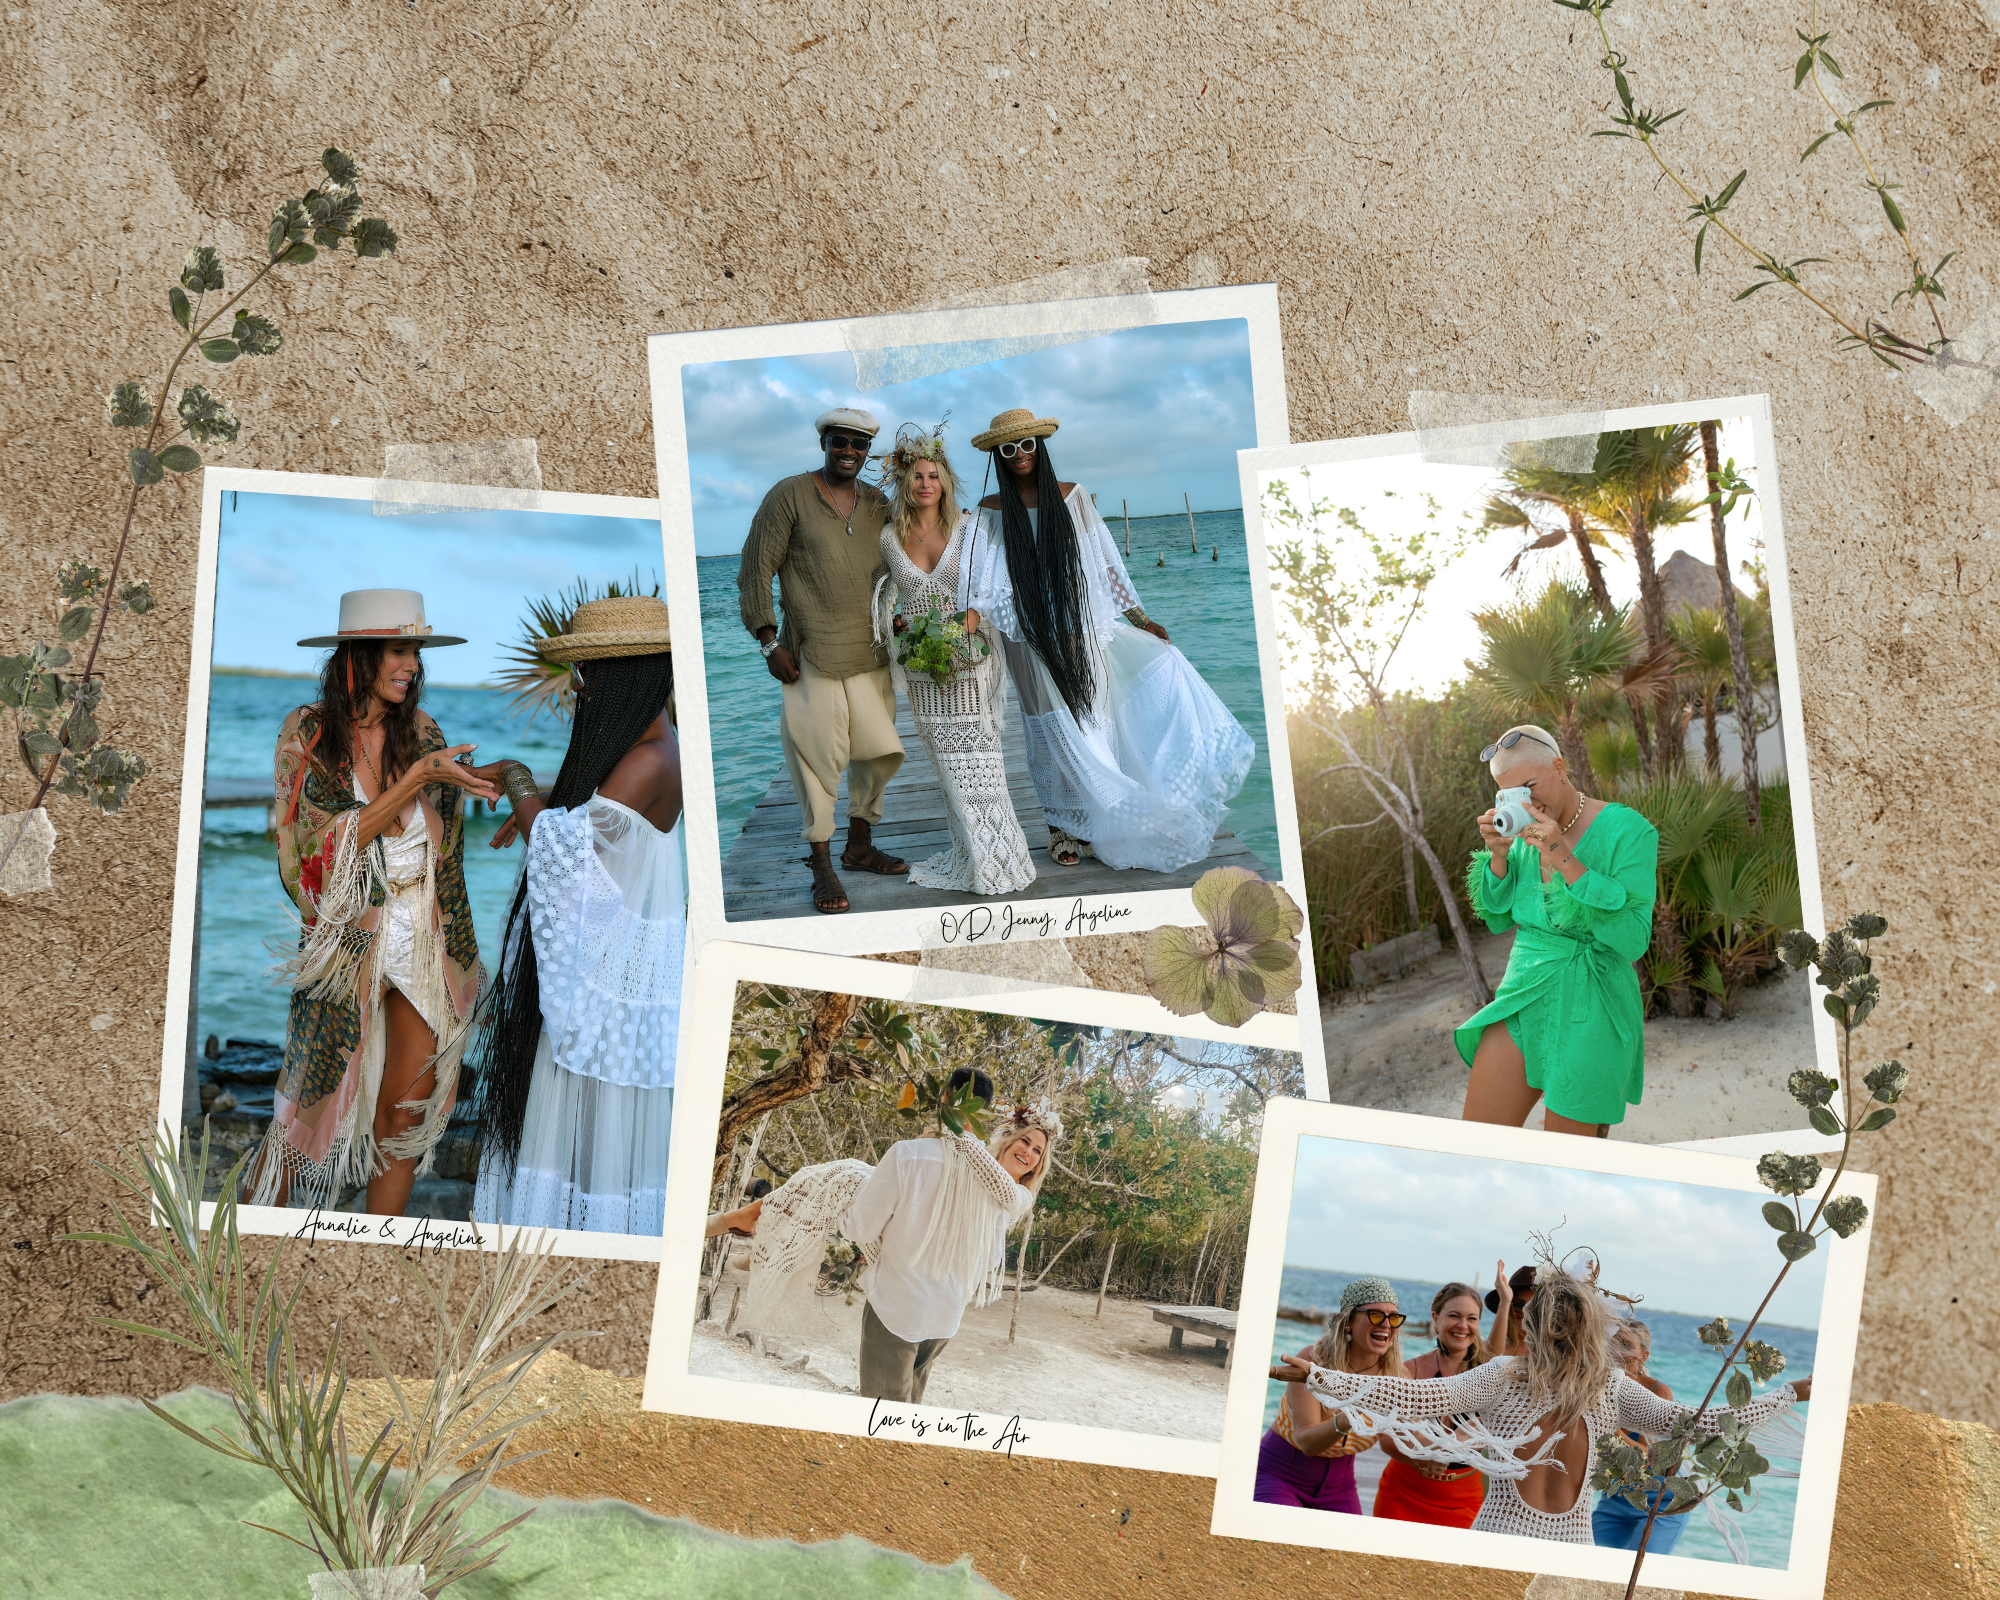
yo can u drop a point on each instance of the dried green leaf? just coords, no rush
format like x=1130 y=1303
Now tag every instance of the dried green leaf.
x=201 y=273
x=289 y=225
x=220 y=351
x=1739 y=1389
x=256 y=336
x=75 y=623
x=373 y=237
x=128 y=407
x=1698 y=238
x=1796 y=1246
x=207 y=419
x=1845 y=1213
x=340 y=167
x=177 y=303
x=180 y=458
x=144 y=468
x=1893 y=211
x=1779 y=1215
x=1809 y=149
x=1878 y=1119
x=1824 y=1122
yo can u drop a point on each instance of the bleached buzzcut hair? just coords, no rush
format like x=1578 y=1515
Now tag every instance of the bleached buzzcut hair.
x=1506 y=759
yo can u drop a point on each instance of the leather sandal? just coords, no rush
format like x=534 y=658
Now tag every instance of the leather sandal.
x=862 y=856
x=828 y=896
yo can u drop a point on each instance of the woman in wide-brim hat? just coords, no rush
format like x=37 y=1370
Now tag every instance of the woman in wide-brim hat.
x=1133 y=757
x=371 y=842
x=576 y=1069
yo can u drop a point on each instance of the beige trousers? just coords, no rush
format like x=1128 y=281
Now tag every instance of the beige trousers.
x=892 y=1368
x=831 y=725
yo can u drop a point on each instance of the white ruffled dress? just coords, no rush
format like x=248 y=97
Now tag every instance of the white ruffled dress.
x=1147 y=778
x=607 y=906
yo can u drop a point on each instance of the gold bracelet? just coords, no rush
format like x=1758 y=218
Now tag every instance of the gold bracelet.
x=518 y=783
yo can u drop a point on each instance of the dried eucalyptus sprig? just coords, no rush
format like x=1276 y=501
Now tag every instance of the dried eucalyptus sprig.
x=405 y=1500
x=1867 y=331
x=1728 y=1462
x=54 y=709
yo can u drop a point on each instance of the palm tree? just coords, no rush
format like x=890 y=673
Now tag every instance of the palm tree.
x=1511 y=508
x=1705 y=668
x=1631 y=490
x=1739 y=658
x=1690 y=813
x=1544 y=658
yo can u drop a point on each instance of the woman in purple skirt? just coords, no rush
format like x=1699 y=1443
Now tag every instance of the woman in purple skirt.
x=1307 y=1457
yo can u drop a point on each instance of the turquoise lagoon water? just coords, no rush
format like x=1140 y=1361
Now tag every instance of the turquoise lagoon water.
x=1203 y=601
x=1680 y=1360
x=243 y=905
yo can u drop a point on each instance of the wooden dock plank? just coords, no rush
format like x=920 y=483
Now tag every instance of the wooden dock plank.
x=764 y=876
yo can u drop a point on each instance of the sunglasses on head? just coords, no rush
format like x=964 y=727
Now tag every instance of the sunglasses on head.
x=843 y=441
x=1395 y=1319
x=1019 y=447
x=1507 y=741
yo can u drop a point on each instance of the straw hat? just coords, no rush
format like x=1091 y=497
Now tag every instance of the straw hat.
x=1012 y=426
x=381 y=614
x=629 y=625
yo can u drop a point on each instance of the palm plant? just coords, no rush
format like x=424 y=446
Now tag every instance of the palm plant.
x=1542 y=657
x=537 y=683
x=1739 y=894
x=1513 y=509
x=1707 y=670
x=1631 y=490
x=1614 y=755
x=1688 y=812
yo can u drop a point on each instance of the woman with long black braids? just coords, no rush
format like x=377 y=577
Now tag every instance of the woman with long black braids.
x=576 y=1081
x=1133 y=757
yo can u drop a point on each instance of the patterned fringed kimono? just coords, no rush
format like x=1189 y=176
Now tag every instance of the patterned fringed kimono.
x=366 y=910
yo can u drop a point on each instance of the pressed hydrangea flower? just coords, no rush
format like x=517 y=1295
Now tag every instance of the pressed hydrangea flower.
x=1243 y=958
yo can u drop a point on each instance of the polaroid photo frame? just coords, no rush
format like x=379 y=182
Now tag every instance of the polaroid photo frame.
x=1709 y=1084
x=289 y=565
x=810 y=1379
x=730 y=705
x=1543 y=1181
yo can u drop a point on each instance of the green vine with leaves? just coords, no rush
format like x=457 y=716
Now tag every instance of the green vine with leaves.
x=1869 y=332
x=55 y=709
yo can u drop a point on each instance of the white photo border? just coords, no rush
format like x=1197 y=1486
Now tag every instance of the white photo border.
x=291 y=1221
x=1756 y=408
x=671 y=1387
x=869 y=933
x=1238 y=1515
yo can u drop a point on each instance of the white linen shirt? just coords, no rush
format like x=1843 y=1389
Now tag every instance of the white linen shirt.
x=888 y=1219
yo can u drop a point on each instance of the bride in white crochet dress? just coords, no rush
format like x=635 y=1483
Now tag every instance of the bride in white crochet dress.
x=925 y=545
x=1559 y=1398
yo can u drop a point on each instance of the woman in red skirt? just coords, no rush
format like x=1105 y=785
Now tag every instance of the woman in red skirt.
x=1422 y=1491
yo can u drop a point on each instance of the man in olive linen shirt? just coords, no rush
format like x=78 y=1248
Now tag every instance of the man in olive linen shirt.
x=819 y=534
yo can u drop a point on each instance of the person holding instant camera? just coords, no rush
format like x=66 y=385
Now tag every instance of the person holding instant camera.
x=1575 y=878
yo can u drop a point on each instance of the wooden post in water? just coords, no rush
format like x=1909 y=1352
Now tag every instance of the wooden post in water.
x=1194 y=544
x=1105 y=1282
x=1127 y=505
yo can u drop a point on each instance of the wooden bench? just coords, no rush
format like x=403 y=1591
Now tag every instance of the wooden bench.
x=1212 y=1322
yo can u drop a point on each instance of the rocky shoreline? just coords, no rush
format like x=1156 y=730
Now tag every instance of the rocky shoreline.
x=234 y=1080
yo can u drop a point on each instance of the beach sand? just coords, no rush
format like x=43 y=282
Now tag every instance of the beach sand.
x=1390 y=1047
x=1065 y=1364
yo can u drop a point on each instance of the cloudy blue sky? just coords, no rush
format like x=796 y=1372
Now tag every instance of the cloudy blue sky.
x=285 y=560
x=1417 y=1214
x=1146 y=414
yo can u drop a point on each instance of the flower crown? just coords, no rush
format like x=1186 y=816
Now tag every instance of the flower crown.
x=913 y=444
x=1584 y=1272
x=1026 y=1119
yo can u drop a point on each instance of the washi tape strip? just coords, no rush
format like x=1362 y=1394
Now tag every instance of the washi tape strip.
x=1485 y=430
x=459 y=475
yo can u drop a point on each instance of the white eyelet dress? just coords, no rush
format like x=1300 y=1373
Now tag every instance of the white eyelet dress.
x=607 y=909
x=1504 y=1419
x=1148 y=775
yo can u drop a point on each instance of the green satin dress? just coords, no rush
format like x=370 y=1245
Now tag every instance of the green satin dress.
x=1570 y=997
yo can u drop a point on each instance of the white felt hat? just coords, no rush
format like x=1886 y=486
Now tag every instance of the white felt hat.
x=381 y=615
x=850 y=417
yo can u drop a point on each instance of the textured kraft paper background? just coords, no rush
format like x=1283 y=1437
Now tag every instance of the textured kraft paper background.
x=568 y=178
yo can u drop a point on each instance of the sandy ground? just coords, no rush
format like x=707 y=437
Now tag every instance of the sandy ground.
x=1064 y=1366
x=1391 y=1048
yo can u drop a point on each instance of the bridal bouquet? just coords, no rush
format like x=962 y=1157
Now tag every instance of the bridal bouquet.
x=934 y=643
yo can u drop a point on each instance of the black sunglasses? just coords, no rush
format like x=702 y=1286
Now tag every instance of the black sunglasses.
x=1507 y=741
x=842 y=441
x=1023 y=447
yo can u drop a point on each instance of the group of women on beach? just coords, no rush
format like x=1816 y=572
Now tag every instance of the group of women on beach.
x=1496 y=1432
x=574 y=1039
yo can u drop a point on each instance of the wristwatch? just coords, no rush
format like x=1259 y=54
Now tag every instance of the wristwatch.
x=768 y=646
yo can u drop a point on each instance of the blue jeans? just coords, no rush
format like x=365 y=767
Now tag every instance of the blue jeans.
x=1615 y=1525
